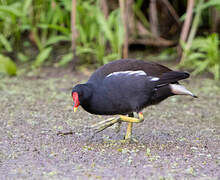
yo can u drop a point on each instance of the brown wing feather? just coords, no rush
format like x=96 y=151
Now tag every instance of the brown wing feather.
x=151 y=68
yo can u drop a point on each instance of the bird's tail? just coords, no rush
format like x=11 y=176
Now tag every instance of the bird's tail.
x=171 y=77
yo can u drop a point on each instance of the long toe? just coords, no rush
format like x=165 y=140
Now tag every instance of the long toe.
x=104 y=124
x=99 y=124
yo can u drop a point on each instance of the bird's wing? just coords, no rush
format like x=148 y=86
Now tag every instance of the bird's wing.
x=128 y=89
x=129 y=83
x=133 y=77
x=127 y=74
x=150 y=68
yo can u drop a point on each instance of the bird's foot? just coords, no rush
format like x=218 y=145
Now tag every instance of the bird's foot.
x=105 y=124
x=111 y=121
x=129 y=140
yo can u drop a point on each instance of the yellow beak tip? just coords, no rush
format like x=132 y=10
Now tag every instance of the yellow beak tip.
x=75 y=109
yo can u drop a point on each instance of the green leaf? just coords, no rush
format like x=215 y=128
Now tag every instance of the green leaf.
x=13 y=11
x=84 y=50
x=5 y=43
x=216 y=71
x=138 y=12
x=82 y=34
x=203 y=55
x=65 y=59
x=55 y=27
x=104 y=25
x=196 y=56
x=55 y=39
x=183 y=45
x=22 y=57
x=202 y=66
x=26 y=5
x=110 y=57
x=7 y=66
x=44 y=54
x=208 y=4
x=93 y=31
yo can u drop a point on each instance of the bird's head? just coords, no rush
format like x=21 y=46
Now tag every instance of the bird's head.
x=80 y=93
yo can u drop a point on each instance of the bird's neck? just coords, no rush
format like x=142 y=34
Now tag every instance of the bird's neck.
x=85 y=101
x=87 y=91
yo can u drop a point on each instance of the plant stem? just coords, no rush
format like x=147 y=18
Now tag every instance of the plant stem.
x=73 y=29
x=104 y=8
x=187 y=22
x=215 y=16
x=193 y=30
x=124 y=17
x=186 y=26
x=195 y=25
x=172 y=10
x=73 y=24
x=153 y=18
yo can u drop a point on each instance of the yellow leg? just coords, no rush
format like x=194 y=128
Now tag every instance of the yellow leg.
x=109 y=122
x=129 y=131
x=141 y=116
x=130 y=121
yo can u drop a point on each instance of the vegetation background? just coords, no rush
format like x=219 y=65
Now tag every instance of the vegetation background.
x=35 y=33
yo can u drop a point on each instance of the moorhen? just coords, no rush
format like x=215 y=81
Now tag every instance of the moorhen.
x=125 y=86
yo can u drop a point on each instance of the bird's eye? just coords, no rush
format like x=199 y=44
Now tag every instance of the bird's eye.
x=80 y=94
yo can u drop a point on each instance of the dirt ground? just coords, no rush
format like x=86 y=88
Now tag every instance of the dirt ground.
x=179 y=139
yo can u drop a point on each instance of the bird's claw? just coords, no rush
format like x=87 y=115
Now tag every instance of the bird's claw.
x=129 y=140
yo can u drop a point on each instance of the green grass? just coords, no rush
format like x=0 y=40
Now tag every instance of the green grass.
x=45 y=24
x=203 y=55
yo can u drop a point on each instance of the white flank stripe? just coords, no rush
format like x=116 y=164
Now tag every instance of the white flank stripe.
x=154 y=78
x=136 y=73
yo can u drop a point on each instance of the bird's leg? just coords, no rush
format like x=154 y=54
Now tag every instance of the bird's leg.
x=129 y=128
x=130 y=121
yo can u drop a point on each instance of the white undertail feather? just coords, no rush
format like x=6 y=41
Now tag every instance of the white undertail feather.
x=180 y=90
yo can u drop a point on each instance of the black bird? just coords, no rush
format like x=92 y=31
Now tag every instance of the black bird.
x=126 y=86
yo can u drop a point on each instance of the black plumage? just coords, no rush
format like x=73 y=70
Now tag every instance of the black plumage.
x=125 y=86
